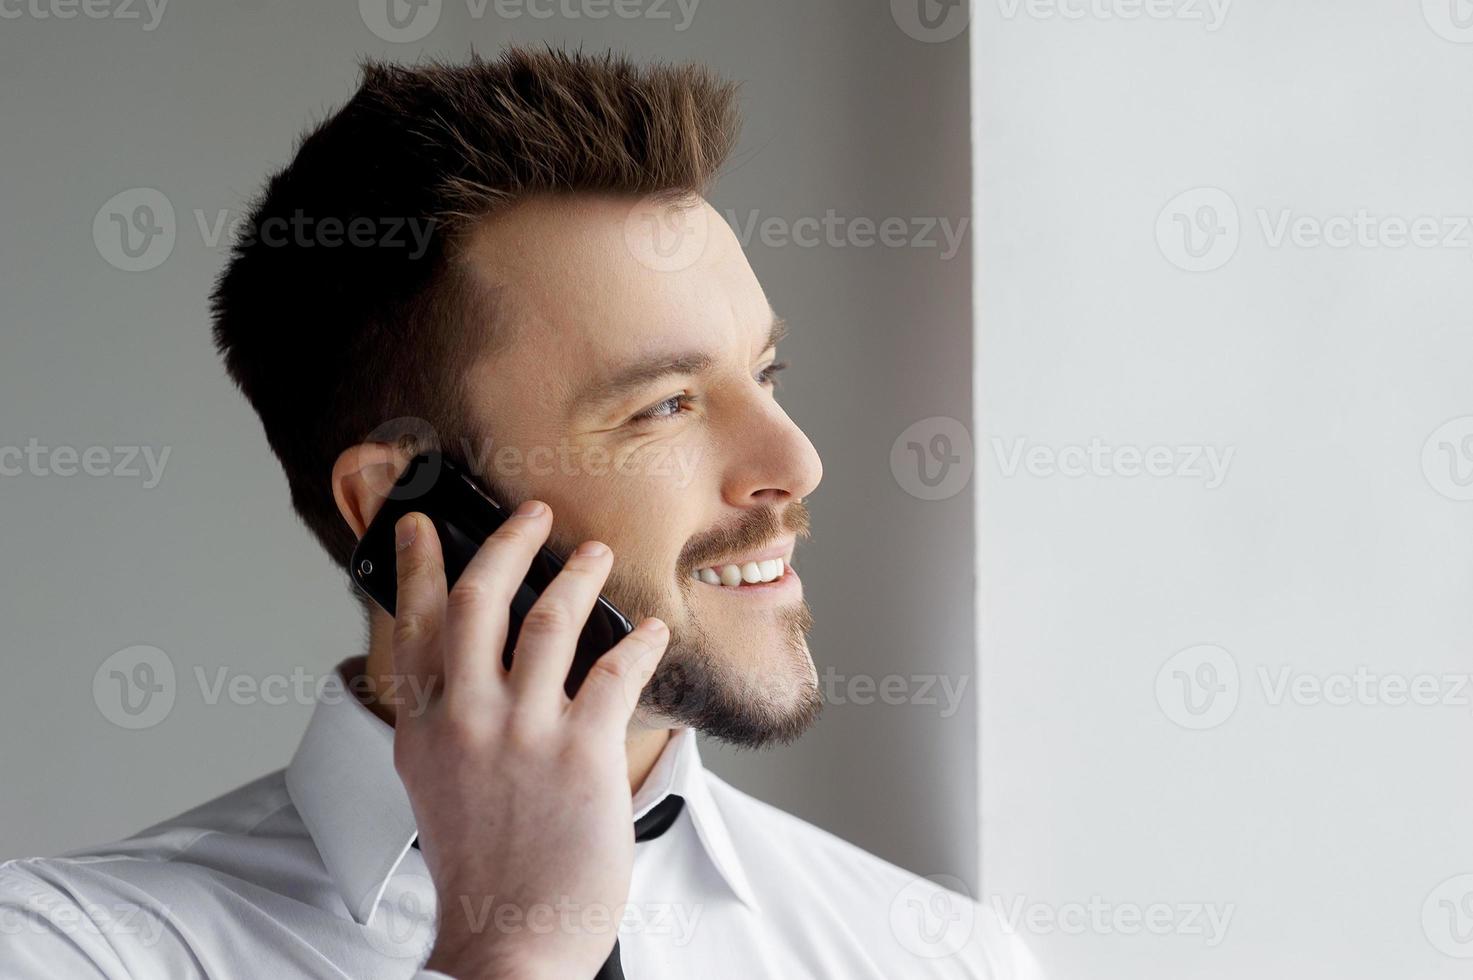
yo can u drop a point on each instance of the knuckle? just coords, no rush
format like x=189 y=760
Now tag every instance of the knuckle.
x=547 y=618
x=411 y=626
x=467 y=731
x=610 y=669
x=471 y=594
x=521 y=732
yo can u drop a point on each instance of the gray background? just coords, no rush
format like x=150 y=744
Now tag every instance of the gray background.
x=845 y=111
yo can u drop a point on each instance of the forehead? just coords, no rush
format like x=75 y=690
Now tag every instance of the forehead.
x=583 y=280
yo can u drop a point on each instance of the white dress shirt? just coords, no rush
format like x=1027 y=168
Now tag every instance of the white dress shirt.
x=309 y=873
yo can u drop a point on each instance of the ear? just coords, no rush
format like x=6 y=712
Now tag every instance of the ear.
x=362 y=477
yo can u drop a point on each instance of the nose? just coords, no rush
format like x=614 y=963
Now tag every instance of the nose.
x=773 y=461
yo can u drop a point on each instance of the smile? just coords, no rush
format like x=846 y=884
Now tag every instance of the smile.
x=771 y=565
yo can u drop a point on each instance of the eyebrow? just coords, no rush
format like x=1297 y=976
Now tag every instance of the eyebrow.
x=637 y=376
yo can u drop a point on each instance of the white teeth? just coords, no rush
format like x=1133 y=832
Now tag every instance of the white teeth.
x=747 y=573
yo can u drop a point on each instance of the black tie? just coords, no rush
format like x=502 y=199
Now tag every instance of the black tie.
x=659 y=819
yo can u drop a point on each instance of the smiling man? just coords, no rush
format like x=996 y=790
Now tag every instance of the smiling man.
x=583 y=333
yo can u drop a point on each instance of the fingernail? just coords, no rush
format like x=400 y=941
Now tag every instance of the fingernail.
x=404 y=532
x=530 y=508
x=654 y=627
x=590 y=548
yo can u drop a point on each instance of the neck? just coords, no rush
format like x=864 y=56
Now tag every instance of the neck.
x=643 y=744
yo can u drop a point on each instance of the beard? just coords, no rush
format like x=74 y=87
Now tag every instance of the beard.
x=703 y=681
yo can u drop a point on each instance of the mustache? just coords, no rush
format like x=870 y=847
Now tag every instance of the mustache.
x=750 y=531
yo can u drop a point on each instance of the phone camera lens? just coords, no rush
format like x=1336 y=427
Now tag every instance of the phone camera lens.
x=365 y=567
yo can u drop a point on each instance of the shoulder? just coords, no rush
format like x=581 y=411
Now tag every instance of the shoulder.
x=927 y=924
x=228 y=836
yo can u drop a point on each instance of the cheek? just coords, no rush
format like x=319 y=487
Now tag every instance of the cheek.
x=645 y=518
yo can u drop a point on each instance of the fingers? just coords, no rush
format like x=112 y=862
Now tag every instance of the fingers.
x=420 y=603
x=478 y=607
x=548 y=639
x=610 y=693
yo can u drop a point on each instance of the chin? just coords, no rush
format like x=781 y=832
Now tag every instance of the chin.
x=729 y=692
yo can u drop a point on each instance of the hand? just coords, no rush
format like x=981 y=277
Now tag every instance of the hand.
x=521 y=795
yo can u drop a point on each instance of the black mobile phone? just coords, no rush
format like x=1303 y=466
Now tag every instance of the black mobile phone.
x=464 y=516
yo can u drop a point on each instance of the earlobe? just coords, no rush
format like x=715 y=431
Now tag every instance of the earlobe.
x=362 y=477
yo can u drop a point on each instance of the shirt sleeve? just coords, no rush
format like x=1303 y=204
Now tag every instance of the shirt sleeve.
x=45 y=933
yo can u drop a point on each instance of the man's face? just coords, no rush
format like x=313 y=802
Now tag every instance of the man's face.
x=630 y=388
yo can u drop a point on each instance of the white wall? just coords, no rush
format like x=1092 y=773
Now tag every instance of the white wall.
x=1339 y=541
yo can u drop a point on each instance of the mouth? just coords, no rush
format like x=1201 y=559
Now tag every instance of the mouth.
x=762 y=570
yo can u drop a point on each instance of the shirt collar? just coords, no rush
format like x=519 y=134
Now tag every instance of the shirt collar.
x=343 y=783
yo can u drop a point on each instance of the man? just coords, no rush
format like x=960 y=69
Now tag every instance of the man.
x=513 y=262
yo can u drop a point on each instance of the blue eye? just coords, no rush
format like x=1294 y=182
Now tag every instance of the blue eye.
x=667 y=409
x=675 y=404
